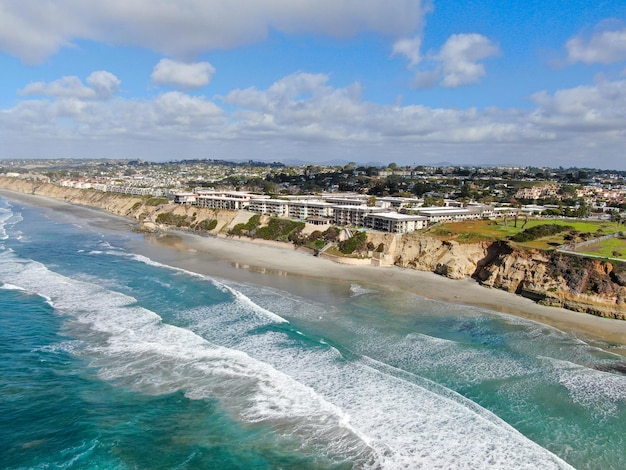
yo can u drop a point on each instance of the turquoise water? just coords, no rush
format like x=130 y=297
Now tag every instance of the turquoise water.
x=116 y=359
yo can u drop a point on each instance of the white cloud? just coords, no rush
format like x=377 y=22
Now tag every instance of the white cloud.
x=34 y=30
x=63 y=87
x=596 y=108
x=304 y=116
x=410 y=48
x=181 y=75
x=604 y=47
x=460 y=56
x=103 y=85
x=457 y=62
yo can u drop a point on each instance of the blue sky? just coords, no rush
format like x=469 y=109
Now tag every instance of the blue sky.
x=469 y=82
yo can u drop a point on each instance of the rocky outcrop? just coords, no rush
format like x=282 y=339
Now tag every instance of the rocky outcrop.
x=136 y=207
x=114 y=203
x=550 y=278
x=448 y=258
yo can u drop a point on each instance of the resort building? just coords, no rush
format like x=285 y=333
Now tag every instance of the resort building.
x=273 y=207
x=228 y=200
x=294 y=209
x=439 y=214
x=393 y=222
x=185 y=198
x=356 y=200
x=305 y=209
x=398 y=202
x=354 y=215
x=353 y=212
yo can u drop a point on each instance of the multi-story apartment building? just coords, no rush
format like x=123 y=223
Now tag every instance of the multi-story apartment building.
x=393 y=222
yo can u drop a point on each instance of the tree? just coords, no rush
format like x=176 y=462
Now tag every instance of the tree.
x=582 y=211
x=616 y=217
x=433 y=202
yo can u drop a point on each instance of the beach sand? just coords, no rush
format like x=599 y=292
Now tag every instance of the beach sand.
x=266 y=264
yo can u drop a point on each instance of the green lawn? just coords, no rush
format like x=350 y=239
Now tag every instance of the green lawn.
x=612 y=248
x=473 y=231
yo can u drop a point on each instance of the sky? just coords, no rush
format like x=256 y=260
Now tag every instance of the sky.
x=414 y=82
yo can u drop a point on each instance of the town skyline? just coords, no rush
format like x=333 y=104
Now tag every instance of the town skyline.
x=410 y=82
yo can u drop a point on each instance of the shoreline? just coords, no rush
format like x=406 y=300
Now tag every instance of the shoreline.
x=266 y=259
x=275 y=260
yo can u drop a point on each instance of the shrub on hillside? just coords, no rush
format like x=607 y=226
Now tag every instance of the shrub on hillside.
x=206 y=225
x=358 y=242
x=157 y=201
x=168 y=218
x=248 y=227
x=539 y=231
x=281 y=230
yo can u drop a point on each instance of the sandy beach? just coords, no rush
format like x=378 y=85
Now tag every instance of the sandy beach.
x=280 y=261
x=217 y=255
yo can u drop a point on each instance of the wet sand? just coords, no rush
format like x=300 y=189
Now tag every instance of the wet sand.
x=227 y=256
x=286 y=260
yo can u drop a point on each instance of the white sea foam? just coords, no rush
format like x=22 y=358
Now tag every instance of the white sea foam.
x=8 y=286
x=601 y=391
x=408 y=424
x=250 y=304
x=70 y=347
x=239 y=296
x=312 y=396
x=132 y=347
x=7 y=218
x=357 y=289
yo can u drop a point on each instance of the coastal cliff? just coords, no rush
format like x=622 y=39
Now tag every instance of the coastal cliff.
x=577 y=283
x=550 y=278
x=144 y=210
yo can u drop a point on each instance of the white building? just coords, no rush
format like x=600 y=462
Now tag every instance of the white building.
x=273 y=207
x=354 y=215
x=305 y=209
x=393 y=222
x=185 y=198
x=439 y=214
x=227 y=200
x=398 y=202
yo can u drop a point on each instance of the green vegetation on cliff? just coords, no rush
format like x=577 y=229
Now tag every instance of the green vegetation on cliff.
x=358 y=242
x=280 y=230
x=248 y=228
x=539 y=231
x=206 y=225
x=277 y=229
x=476 y=231
x=168 y=218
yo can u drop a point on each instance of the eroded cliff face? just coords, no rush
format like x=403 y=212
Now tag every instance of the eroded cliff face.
x=124 y=205
x=573 y=282
x=447 y=258
x=114 y=203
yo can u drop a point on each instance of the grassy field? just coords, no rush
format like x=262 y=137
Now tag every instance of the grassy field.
x=613 y=248
x=473 y=231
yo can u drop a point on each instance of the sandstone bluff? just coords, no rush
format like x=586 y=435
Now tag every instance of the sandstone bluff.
x=586 y=285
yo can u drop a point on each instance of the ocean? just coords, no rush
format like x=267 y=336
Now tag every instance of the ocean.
x=114 y=357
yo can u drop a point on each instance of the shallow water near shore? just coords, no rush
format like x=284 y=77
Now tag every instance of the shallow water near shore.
x=114 y=356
